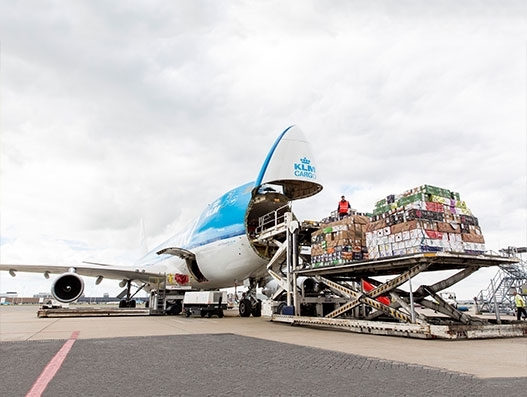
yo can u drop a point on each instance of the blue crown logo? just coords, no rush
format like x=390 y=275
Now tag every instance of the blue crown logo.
x=304 y=169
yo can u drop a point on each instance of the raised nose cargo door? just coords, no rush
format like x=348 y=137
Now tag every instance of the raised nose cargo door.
x=290 y=164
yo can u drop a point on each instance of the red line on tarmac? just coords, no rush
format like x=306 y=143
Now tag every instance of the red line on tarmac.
x=52 y=368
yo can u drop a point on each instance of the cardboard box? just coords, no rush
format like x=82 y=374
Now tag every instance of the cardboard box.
x=448 y=227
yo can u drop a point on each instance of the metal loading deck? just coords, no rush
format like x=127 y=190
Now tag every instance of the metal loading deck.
x=384 y=308
x=420 y=331
x=92 y=312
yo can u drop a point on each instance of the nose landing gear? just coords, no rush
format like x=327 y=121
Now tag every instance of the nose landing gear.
x=250 y=304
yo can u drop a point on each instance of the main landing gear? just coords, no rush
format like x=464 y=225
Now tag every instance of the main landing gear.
x=127 y=299
x=128 y=304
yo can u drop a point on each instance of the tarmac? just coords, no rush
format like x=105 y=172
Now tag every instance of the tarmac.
x=179 y=356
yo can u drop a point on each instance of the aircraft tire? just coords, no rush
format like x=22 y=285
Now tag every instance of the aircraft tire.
x=220 y=314
x=245 y=308
x=123 y=303
x=257 y=310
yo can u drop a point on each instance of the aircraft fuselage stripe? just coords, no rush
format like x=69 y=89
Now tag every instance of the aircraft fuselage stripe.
x=268 y=158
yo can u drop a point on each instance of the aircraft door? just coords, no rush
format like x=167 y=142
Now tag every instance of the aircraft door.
x=290 y=164
x=194 y=270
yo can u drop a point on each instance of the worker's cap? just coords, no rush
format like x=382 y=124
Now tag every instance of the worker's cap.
x=342 y=197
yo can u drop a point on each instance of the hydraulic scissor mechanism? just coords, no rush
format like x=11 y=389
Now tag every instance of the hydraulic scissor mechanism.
x=368 y=298
x=363 y=296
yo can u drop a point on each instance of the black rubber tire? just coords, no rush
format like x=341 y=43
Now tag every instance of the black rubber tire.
x=174 y=309
x=257 y=310
x=245 y=308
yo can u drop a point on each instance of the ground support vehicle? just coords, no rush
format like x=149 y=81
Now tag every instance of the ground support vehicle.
x=52 y=304
x=166 y=301
x=205 y=303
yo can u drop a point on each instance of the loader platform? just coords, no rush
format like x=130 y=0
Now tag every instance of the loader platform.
x=379 y=296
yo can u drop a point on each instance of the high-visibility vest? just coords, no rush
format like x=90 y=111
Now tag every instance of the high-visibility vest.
x=519 y=301
x=343 y=207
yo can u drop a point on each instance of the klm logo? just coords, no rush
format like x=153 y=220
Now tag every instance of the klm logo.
x=305 y=169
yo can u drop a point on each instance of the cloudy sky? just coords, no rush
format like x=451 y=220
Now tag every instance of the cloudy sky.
x=119 y=113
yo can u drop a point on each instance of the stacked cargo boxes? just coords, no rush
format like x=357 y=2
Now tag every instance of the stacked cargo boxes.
x=339 y=241
x=423 y=219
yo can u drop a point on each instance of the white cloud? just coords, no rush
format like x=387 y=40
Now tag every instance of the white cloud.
x=113 y=112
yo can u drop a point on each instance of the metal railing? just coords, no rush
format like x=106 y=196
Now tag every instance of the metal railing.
x=272 y=219
x=498 y=295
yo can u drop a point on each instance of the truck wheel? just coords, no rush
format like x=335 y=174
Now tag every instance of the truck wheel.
x=174 y=310
x=177 y=308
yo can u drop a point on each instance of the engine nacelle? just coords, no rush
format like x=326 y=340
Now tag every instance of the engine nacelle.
x=309 y=285
x=67 y=288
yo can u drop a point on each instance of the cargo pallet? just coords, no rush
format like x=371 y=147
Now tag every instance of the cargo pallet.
x=383 y=309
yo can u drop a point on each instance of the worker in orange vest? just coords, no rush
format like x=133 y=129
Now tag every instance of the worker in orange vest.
x=343 y=208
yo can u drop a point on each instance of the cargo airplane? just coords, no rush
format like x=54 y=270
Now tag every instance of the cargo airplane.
x=218 y=250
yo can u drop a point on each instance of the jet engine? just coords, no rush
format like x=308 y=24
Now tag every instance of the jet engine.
x=67 y=288
x=309 y=285
x=306 y=284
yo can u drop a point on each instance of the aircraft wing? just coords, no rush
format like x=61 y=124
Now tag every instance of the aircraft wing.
x=85 y=269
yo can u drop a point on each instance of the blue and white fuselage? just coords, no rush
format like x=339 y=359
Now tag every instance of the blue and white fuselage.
x=218 y=249
x=218 y=241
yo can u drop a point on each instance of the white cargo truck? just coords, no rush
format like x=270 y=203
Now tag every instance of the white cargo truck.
x=205 y=303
